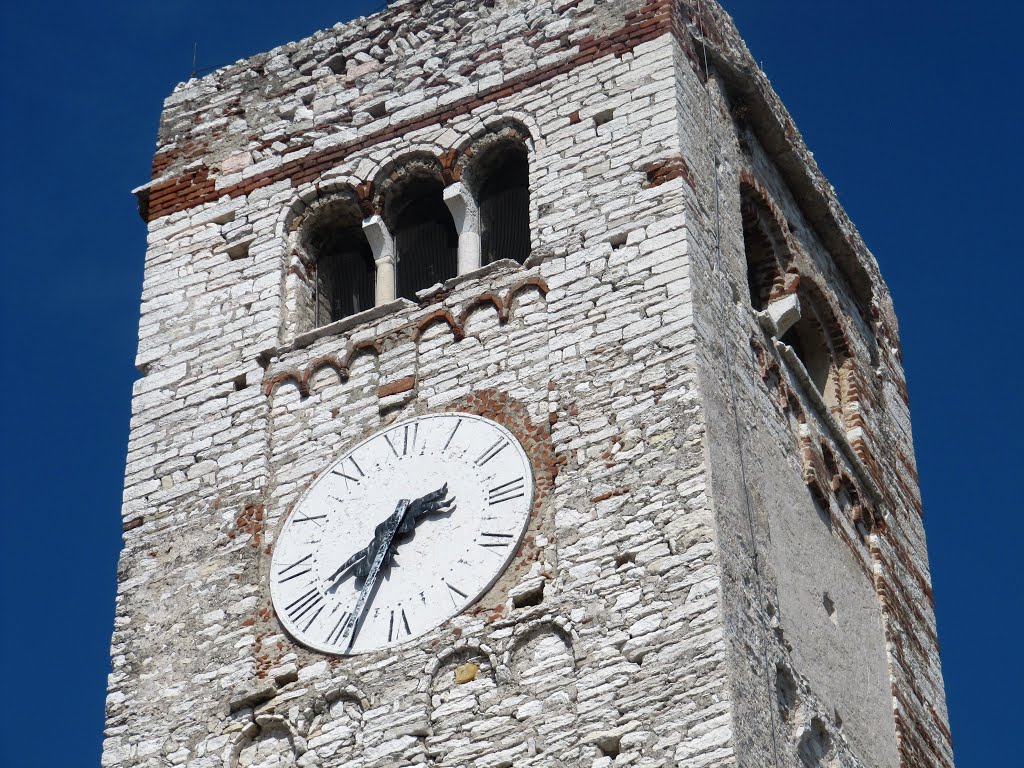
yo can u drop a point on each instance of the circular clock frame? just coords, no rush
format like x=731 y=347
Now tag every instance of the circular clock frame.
x=430 y=568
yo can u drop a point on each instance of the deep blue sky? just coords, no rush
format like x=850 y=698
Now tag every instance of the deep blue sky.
x=912 y=109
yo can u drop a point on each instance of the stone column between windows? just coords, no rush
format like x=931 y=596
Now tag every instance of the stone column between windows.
x=466 y=214
x=382 y=243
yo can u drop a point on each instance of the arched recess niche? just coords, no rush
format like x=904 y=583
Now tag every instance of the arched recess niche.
x=336 y=261
x=411 y=201
x=800 y=312
x=496 y=169
x=764 y=246
x=818 y=341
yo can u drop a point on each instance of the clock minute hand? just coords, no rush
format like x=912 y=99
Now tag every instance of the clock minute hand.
x=384 y=545
x=430 y=505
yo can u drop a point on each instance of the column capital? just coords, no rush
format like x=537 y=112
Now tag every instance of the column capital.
x=382 y=243
x=466 y=215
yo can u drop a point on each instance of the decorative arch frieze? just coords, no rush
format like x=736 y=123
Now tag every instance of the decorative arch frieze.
x=319 y=729
x=541 y=660
x=463 y=692
x=526 y=701
x=341 y=364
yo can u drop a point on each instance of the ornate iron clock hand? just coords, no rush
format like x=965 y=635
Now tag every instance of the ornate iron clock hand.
x=403 y=520
x=431 y=505
x=383 y=542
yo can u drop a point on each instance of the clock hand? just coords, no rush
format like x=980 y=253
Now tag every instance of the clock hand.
x=357 y=557
x=404 y=519
x=430 y=505
x=386 y=533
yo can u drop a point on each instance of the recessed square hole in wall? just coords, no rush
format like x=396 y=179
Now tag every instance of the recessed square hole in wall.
x=238 y=251
x=619 y=240
x=830 y=607
x=609 y=745
x=625 y=558
x=377 y=110
x=532 y=596
x=239 y=382
x=603 y=116
x=337 y=64
x=785 y=691
x=815 y=746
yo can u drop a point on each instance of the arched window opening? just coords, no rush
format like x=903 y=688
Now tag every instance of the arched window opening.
x=761 y=265
x=503 y=195
x=765 y=254
x=808 y=343
x=426 y=241
x=810 y=340
x=343 y=267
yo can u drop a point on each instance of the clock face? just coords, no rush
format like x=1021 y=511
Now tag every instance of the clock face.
x=406 y=530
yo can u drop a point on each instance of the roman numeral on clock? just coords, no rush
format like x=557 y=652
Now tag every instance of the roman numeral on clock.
x=303 y=517
x=349 y=478
x=405 y=440
x=309 y=605
x=513 y=489
x=458 y=423
x=296 y=569
x=491 y=452
x=495 y=540
x=338 y=629
x=452 y=591
x=396 y=623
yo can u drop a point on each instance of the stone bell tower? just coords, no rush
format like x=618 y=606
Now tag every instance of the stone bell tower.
x=594 y=225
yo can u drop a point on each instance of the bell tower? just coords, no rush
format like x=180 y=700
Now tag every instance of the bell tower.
x=552 y=297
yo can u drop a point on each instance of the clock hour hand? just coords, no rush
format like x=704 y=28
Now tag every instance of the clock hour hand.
x=430 y=505
x=358 y=557
x=433 y=504
x=404 y=519
x=382 y=537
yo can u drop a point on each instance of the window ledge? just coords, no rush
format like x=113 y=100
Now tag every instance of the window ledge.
x=440 y=290
x=304 y=340
x=431 y=295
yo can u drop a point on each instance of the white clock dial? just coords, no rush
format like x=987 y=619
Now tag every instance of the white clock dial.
x=406 y=530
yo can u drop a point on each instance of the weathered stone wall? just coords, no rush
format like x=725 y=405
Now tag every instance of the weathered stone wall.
x=603 y=638
x=633 y=627
x=825 y=585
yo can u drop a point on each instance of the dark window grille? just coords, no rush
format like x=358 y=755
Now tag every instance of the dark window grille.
x=504 y=200
x=425 y=240
x=345 y=273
